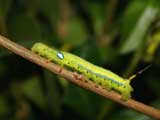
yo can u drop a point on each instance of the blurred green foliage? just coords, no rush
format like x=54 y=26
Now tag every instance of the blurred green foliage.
x=120 y=35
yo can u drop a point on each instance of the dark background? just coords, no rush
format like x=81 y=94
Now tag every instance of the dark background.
x=120 y=35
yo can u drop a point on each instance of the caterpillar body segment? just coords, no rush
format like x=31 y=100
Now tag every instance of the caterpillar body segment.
x=100 y=76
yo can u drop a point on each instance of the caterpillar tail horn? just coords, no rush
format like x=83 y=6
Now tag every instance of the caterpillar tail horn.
x=140 y=72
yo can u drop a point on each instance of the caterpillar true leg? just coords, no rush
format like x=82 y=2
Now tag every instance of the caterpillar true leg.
x=60 y=69
x=81 y=77
x=78 y=77
x=48 y=61
x=96 y=86
x=75 y=75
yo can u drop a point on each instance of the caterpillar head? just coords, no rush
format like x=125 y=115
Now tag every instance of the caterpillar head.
x=60 y=55
x=39 y=48
x=49 y=53
x=44 y=51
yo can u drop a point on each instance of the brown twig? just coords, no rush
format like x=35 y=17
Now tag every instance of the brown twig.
x=27 y=54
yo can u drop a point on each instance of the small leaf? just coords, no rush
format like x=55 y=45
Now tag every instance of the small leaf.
x=131 y=15
x=137 y=35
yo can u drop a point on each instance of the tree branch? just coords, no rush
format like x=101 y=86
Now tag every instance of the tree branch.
x=68 y=75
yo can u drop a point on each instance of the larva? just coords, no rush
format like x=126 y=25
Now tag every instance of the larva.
x=100 y=76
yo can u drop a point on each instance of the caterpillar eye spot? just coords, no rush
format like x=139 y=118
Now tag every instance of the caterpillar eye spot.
x=60 y=55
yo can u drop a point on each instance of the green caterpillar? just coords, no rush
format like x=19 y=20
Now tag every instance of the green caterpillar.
x=98 y=75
